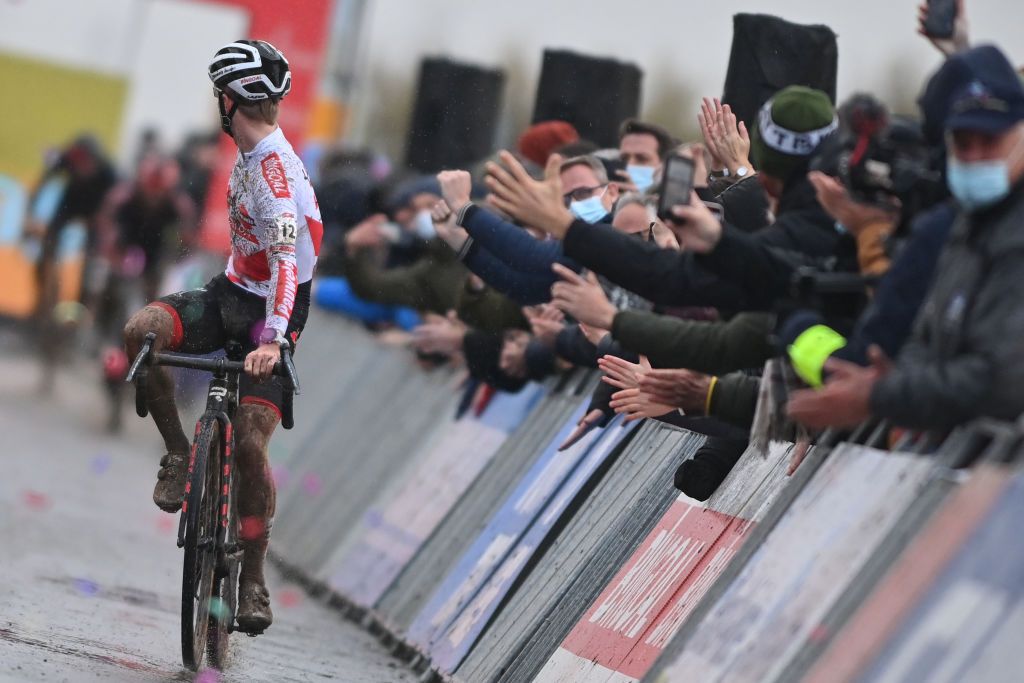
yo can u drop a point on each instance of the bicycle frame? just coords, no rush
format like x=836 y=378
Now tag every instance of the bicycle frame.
x=221 y=402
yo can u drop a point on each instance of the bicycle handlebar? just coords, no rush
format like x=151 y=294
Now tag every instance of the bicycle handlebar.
x=285 y=368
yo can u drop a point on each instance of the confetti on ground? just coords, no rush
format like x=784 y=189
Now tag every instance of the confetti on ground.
x=86 y=587
x=165 y=523
x=279 y=473
x=100 y=464
x=289 y=597
x=207 y=676
x=311 y=484
x=35 y=500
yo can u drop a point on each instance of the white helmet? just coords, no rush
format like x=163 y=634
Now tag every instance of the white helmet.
x=250 y=71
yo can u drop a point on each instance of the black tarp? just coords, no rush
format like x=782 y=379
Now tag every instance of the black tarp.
x=769 y=53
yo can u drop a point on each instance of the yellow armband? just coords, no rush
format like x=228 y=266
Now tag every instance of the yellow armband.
x=811 y=349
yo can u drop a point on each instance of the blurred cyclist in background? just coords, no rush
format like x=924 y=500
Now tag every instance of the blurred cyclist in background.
x=143 y=225
x=87 y=177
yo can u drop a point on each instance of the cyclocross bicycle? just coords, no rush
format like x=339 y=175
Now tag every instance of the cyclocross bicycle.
x=208 y=526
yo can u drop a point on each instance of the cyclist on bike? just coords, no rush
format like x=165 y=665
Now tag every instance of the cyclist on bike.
x=261 y=301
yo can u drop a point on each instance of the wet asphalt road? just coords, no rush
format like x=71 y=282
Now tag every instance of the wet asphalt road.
x=89 y=572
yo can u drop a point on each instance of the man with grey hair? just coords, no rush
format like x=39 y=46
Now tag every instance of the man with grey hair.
x=586 y=190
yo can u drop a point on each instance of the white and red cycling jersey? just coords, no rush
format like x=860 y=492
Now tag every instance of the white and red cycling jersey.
x=275 y=226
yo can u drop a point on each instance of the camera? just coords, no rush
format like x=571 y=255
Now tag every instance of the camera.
x=882 y=160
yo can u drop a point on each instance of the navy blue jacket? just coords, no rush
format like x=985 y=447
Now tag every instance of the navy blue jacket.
x=508 y=259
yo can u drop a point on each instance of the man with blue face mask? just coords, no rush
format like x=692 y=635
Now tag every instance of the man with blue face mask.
x=642 y=148
x=587 y=192
x=966 y=357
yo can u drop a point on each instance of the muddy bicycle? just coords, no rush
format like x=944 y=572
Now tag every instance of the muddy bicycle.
x=208 y=528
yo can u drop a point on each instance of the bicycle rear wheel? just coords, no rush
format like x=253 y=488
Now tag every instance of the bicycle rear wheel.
x=200 y=510
x=225 y=589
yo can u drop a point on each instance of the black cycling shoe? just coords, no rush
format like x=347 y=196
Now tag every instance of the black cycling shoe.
x=254 y=614
x=170 y=484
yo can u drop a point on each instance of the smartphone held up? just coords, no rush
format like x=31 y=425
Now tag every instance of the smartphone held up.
x=676 y=185
x=940 y=21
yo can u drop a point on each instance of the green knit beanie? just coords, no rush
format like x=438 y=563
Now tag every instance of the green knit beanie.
x=789 y=128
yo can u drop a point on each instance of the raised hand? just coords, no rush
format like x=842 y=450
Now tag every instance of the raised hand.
x=636 y=404
x=694 y=226
x=677 y=387
x=622 y=374
x=366 y=234
x=546 y=322
x=582 y=298
x=837 y=202
x=440 y=334
x=537 y=203
x=726 y=137
x=586 y=423
x=958 y=42
x=444 y=223
x=456 y=187
x=844 y=400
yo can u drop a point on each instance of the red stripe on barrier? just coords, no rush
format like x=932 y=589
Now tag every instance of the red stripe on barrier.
x=642 y=607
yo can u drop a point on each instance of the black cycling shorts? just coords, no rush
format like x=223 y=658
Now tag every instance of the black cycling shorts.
x=206 y=319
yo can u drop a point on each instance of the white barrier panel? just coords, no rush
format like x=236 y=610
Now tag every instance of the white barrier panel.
x=951 y=608
x=804 y=565
x=407 y=595
x=397 y=525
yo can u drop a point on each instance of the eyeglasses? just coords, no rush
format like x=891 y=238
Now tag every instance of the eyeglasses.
x=581 y=193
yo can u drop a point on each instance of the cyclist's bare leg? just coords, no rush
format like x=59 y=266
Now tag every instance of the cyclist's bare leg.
x=46 y=328
x=254 y=424
x=170 y=487
x=160 y=384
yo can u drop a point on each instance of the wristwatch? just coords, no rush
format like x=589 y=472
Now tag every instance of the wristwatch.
x=271 y=336
x=742 y=171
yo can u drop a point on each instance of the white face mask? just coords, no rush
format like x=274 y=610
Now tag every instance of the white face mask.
x=423 y=225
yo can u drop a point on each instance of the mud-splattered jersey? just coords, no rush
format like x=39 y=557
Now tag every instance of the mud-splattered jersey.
x=275 y=226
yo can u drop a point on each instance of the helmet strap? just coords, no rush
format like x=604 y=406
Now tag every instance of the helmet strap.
x=227 y=114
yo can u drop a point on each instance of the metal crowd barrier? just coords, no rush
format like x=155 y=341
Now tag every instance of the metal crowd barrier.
x=480 y=553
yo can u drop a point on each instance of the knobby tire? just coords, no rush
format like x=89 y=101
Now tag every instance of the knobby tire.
x=200 y=554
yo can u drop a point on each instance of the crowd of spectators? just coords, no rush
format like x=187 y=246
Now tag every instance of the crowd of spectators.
x=879 y=257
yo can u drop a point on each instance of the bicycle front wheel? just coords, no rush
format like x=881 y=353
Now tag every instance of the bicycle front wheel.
x=200 y=510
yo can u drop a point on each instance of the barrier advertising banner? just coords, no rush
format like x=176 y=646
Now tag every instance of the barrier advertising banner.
x=499 y=540
x=394 y=528
x=460 y=635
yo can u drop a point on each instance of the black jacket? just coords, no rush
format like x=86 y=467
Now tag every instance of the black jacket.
x=966 y=356
x=802 y=234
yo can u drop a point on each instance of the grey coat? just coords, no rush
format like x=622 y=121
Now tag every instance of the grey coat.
x=966 y=356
